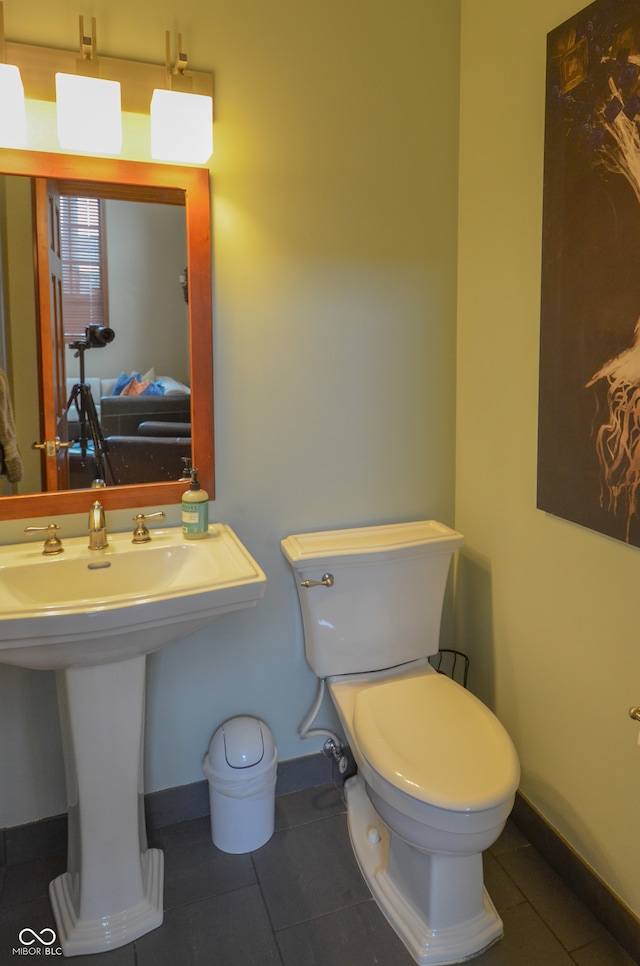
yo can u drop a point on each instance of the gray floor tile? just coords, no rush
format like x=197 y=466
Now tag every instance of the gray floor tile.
x=36 y=840
x=554 y=902
x=230 y=930
x=194 y=868
x=510 y=838
x=356 y=936
x=37 y=915
x=500 y=886
x=527 y=941
x=300 y=901
x=124 y=956
x=30 y=880
x=605 y=952
x=309 y=805
x=309 y=871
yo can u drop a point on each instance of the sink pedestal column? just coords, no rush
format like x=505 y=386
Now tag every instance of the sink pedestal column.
x=111 y=892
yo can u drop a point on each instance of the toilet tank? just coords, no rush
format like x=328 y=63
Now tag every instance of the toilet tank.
x=385 y=605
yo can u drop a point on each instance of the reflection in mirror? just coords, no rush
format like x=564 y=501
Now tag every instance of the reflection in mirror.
x=19 y=344
x=122 y=266
x=103 y=348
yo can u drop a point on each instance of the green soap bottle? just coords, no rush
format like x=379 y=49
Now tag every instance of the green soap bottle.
x=195 y=510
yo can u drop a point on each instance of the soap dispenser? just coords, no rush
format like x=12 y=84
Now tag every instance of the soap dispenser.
x=195 y=509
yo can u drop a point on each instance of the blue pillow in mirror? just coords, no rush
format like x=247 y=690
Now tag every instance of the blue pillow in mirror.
x=153 y=389
x=123 y=381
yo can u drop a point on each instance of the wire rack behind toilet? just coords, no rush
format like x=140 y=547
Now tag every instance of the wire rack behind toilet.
x=454 y=664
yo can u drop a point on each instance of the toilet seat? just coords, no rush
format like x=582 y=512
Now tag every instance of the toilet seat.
x=436 y=742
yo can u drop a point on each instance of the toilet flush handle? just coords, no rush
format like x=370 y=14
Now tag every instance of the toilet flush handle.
x=327 y=581
x=634 y=713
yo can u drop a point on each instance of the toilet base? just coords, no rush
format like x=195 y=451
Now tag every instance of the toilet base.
x=434 y=932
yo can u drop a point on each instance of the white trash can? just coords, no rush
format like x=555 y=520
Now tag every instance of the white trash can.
x=241 y=767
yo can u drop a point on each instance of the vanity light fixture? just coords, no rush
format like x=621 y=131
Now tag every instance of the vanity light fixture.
x=13 y=121
x=181 y=121
x=88 y=107
x=91 y=92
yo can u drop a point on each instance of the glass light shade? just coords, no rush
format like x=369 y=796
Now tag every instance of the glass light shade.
x=181 y=126
x=89 y=114
x=13 y=120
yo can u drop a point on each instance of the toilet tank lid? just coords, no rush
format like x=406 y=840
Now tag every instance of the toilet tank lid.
x=357 y=542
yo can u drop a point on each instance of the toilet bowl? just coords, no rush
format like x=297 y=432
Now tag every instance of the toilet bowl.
x=437 y=772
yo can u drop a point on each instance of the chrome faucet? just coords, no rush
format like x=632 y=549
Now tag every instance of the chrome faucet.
x=97 y=527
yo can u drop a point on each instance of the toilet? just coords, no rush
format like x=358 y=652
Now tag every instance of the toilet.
x=437 y=772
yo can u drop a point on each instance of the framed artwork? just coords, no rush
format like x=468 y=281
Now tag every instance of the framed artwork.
x=589 y=397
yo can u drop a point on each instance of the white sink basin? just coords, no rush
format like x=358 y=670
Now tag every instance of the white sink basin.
x=88 y=607
x=93 y=616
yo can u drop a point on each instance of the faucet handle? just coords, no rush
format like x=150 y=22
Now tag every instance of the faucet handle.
x=141 y=533
x=52 y=544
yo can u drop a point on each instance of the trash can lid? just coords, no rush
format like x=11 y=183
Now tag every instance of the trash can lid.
x=242 y=742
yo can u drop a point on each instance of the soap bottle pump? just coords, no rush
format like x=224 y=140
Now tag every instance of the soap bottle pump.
x=195 y=509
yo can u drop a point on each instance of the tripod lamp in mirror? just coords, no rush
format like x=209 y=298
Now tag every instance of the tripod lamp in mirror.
x=90 y=438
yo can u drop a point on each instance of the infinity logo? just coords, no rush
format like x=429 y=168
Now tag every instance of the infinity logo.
x=37 y=937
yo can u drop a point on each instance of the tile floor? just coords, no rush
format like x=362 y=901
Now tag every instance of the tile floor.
x=300 y=901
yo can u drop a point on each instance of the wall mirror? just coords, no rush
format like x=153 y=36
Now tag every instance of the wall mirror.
x=156 y=223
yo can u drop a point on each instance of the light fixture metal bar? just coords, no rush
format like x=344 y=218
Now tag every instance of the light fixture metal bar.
x=39 y=65
x=178 y=78
x=88 y=62
x=181 y=58
x=88 y=44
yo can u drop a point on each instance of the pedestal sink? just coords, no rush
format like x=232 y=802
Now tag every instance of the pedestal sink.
x=93 y=616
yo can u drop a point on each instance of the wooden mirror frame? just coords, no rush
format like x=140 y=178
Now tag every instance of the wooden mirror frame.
x=194 y=182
